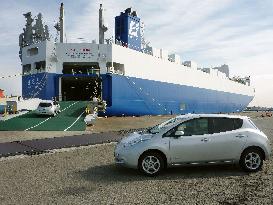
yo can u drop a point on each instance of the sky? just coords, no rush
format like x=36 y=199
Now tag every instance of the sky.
x=210 y=32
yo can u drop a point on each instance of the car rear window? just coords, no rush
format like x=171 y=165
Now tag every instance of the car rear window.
x=222 y=124
x=238 y=123
x=45 y=105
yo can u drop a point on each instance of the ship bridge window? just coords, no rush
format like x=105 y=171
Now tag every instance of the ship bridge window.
x=26 y=69
x=32 y=51
x=40 y=65
x=115 y=68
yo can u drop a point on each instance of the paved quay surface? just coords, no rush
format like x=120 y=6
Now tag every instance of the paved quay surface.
x=35 y=142
x=38 y=146
x=88 y=175
x=11 y=136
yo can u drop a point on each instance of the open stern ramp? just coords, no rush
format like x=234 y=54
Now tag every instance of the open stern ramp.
x=71 y=118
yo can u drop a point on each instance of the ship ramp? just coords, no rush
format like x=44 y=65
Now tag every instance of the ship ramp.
x=71 y=118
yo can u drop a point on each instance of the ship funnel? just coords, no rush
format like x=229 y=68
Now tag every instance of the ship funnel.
x=102 y=27
x=62 y=30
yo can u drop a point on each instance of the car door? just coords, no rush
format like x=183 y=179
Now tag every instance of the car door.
x=226 y=140
x=192 y=146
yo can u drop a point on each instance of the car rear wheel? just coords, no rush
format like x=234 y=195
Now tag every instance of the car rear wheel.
x=251 y=160
x=151 y=164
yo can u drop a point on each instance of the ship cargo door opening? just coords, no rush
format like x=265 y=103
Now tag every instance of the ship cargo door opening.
x=80 y=88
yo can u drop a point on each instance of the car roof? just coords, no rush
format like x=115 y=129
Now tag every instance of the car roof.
x=189 y=116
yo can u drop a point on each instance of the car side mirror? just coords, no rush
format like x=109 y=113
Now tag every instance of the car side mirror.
x=179 y=133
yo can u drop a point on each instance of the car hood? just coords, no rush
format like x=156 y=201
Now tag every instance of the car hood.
x=135 y=137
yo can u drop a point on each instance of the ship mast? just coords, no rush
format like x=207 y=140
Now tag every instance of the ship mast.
x=102 y=27
x=60 y=25
x=62 y=30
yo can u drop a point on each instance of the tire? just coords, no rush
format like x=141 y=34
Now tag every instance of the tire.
x=151 y=163
x=251 y=160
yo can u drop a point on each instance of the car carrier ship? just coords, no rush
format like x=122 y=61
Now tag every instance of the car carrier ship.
x=131 y=76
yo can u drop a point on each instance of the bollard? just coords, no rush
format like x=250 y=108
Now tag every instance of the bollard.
x=87 y=110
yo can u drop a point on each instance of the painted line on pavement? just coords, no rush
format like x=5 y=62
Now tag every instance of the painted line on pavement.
x=37 y=124
x=74 y=121
x=69 y=106
x=49 y=117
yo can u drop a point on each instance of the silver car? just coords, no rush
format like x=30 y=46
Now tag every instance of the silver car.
x=48 y=107
x=195 y=139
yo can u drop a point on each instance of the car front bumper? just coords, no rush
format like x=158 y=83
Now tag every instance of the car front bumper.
x=126 y=156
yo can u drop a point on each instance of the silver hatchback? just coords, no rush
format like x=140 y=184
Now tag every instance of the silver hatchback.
x=195 y=139
x=48 y=107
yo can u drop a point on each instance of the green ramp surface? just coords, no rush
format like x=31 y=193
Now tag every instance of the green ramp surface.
x=70 y=119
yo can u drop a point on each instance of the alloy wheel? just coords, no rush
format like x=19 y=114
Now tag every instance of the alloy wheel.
x=151 y=165
x=252 y=160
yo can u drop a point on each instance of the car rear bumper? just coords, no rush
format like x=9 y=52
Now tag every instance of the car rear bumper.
x=44 y=113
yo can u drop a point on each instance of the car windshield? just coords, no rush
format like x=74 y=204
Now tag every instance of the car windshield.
x=164 y=125
x=45 y=105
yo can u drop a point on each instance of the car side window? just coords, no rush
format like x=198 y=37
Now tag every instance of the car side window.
x=197 y=126
x=222 y=124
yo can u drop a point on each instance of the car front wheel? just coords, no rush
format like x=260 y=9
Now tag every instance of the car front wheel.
x=251 y=160
x=151 y=164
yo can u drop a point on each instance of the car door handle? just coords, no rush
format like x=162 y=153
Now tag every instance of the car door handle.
x=204 y=139
x=240 y=136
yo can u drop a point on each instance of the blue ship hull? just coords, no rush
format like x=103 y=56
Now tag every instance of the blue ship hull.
x=41 y=85
x=135 y=96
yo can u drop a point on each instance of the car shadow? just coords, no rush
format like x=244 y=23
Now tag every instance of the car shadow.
x=112 y=173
